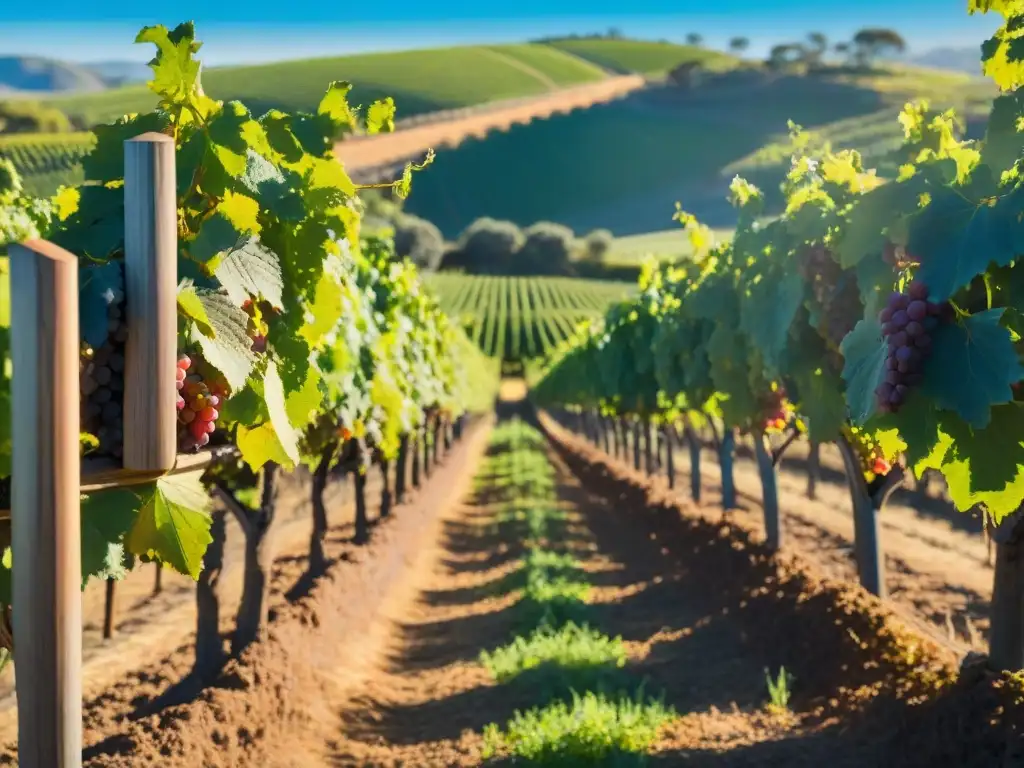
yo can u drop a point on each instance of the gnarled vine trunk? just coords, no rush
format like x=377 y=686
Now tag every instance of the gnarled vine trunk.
x=385 y=488
x=415 y=447
x=726 y=445
x=109 y=608
x=637 y=446
x=773 y=529
x=693 y=443
x=670 y=460
x=362 y=521
x=867 y=503
x=1006 y=635
x=209 y=646
x=648 y=450
x=258 y=528
x=813 y=469
x=317 y=555
x=401 y=464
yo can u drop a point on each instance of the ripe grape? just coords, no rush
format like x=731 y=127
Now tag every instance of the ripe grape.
x=908 y=320
x=197 y=414
x=775 y=410
x=101 y=380
x=835 y=292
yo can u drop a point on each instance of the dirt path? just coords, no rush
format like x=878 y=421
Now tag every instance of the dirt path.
x=388 y=149
x=701 y=620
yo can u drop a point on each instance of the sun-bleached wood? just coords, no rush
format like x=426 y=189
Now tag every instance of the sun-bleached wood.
x=151 y=280
x=45 y=529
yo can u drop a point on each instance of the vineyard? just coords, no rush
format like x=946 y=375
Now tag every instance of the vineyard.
x=705 y=532
x=47 y=161
x=522 y=317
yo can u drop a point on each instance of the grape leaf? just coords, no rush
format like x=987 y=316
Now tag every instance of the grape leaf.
x=971 y=367
x=334 y=106
x=986 y=466
x=864 y=353
x=261 y=444
x=173 y=524
x=229 y=350
x=250 y=269
x=380 y=117
x=274 y=396
x=105 y=163
x=962 y=231
x=190 y=306
x=218 y=234
x=303 y=404
x=107 y=517
x=97 y=284
x=768 y=310
x=175 y=70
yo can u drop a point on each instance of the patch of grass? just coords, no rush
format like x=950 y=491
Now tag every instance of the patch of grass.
x=643 y=56
x=561 y=68
x=665 y=245
x=570 y=647
x=591 y=729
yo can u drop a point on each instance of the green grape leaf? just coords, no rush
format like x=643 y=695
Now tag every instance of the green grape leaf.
x=261 y=444
x=217 y=235
x=380 y=117
x=105 y=163
x=962 y=232
x=173 y=525
x=277 y=408
x=245 y=406
x=107 y=517
x=986 y=466
x=175 y=69
x=334 y=106
x=972 y=366
x=97 y=284
x=821 y=402
x=862 y=235
x=864 y=353
x=229 y=350
x=767 y=312
x=727 y=350
x=303 y=404
x=190 y=306
x=916 y=427
x=250 y=269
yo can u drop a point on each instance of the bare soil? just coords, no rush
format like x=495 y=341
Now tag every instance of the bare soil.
x=268 y=707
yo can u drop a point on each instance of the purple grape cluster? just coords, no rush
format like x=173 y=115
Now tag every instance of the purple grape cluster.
x=907 y=324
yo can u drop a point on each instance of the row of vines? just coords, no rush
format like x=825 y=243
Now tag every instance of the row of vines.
x=300 y=340
x=522 y=317
x=884 y=315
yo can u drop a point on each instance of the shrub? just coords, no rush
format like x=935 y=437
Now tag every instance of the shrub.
x=597 y=244
x=419 y=240
x=487 y=246
x=547 y=250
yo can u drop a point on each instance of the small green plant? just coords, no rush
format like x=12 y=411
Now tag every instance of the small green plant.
x=779 y=690
x=570 y=647
x=592 y=729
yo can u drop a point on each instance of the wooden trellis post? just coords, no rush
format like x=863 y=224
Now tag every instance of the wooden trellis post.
x=45 y=509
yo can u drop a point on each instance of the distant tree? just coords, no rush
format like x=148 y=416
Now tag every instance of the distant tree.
x=597 y=245
x=686 y=74
x=819 y=45
x=694 y=39
x=547 y=250
x=614 y=33
x=487 y=246
x=873 y=42
x=739 y=44
x=24 y=116
x=785 y=54
x=419 y=240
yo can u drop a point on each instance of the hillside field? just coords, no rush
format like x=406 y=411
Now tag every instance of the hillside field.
x=622 y=165
x=522 y=317
x=419 y=80
x=643 y=56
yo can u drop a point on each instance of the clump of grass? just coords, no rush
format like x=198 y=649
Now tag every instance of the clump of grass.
x=591 y=729
x=779 y=691
x=552 y=601
x=571 y=647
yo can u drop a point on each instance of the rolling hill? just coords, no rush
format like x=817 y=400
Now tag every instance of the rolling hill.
x=642 y=56
x=420 y=80
x=622 y=165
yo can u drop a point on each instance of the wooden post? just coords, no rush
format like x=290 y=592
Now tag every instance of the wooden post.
x=45 y=535
x=1006 y=635
x=151 y=281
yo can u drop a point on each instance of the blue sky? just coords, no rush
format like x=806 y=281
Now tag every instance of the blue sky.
x=242 y=31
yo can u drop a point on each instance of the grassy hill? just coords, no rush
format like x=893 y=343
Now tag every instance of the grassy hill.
x=420 y=81
x=623 y=165
x=642 y=56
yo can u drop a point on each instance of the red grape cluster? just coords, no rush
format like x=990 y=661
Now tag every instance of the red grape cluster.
x=197 y=408
x=907 y=323
x=775 y=414
x=102 y=381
